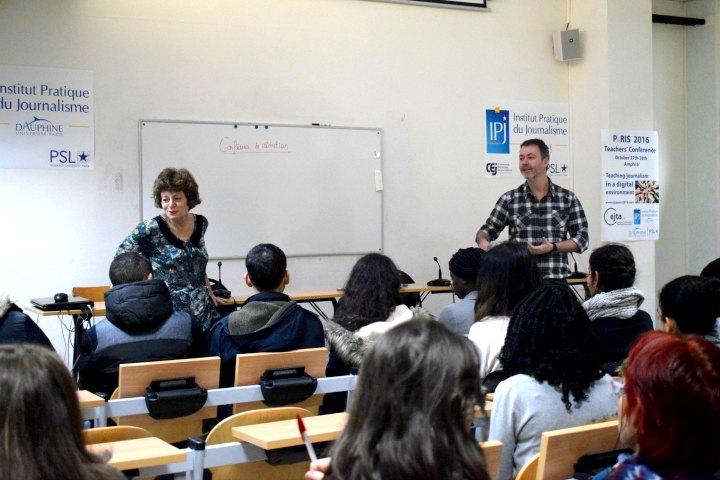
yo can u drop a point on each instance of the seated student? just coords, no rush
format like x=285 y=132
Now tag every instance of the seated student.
x=614 y=308
x=555 y=381
x=418 y=391
x=508 y=274
x=464 y=266
x=671 y=408
x=691 y=304
x=40 y=420
x=371 y=303
x=712 y=269
x=269 y=321
x=140 y=326
x=16 y=327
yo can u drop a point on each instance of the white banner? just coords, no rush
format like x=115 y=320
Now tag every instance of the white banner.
x=508 y=124
x=630 y=185
x=46 y=118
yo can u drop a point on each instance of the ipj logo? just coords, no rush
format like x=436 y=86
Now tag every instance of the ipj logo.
x=491 y=168
x=637 y=218
x=497 y=130
x=39 y=127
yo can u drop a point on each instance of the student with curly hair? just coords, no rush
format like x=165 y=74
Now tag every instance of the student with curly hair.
x=464 y=266
x=555 y=381
x=507 y=274
x=40 y=420
x=691 y=305
x=671 y=408
x=614 y=308
x=413 y=426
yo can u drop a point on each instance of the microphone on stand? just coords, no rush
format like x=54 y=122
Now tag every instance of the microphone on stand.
x=217 y=286
x=440 y=281
x=576 y=274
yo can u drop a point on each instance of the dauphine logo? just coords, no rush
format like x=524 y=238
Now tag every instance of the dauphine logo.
x=40 y=127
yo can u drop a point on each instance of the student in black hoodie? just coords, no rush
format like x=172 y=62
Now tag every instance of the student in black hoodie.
x=140 y=326
x=17 y=327
x=269 y=321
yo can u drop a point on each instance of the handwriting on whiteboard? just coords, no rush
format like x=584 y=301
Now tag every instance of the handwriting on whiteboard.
x=232 y=146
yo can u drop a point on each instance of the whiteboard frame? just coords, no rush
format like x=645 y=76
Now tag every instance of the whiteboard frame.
x=262 y=124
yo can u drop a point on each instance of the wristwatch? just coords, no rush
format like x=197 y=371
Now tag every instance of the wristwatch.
x=554 y=249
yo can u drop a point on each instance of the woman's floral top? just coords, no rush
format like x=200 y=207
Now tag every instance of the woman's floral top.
x=181 y=265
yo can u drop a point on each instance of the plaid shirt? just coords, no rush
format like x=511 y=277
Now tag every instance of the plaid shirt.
x=556 y=216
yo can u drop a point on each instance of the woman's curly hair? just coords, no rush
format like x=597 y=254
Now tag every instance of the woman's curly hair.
x=177 y=180
x=549 y=338
x=371 y=292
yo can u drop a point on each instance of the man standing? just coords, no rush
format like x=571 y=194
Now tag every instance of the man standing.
x=540 y=213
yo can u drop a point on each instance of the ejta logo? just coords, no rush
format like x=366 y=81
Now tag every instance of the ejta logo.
x=491 y=168
x=612 y=216
x=39 y=127
x=497 y=130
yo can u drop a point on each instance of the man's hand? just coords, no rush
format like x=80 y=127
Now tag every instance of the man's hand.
x=482 y=240
x=544 y=248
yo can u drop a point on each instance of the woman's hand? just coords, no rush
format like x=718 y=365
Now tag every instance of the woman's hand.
x=318 y=469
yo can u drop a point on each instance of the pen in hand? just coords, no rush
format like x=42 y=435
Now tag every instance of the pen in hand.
x=306 y=438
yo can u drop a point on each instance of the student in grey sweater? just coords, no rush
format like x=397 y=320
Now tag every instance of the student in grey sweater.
x=464 y=267
x=555 y=378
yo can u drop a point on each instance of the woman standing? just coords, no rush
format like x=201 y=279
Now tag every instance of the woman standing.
x=174 y=244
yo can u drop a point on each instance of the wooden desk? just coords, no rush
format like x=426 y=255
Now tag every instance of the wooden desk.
x=88 y=399
x=138 y=453
x=285 y=433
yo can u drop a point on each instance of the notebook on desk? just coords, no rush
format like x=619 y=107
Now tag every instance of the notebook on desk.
x=72 y=303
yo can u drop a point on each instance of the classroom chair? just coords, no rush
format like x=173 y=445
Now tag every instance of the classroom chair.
x=560 y=449
x=96 y=293
x=222 y=433
x=113 y=434
x=529 y=470
x=492 y=449
x=134 y=378
x=249 y=367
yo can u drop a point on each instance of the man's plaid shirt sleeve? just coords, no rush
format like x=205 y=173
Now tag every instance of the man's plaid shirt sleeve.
x=498 y=218
x=577 y=225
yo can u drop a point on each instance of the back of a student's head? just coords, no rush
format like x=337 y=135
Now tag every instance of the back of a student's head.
x=549 y=338
x=507 y=274
x=371 y=293
x=712 y=270
x=266 y=266
x=690 y=304
x=672 y=403
x=418 y=388
x=39 y=412
x=129 y=267
x=464 y=266
x=612 y=267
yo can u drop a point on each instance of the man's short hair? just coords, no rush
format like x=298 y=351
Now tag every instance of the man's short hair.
x=129 y=267
x=465 y=263
x=544 y=150
x=266 y=265
x=712 y=269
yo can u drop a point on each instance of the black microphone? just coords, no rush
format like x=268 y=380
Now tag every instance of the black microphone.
x=439 y=282
x=220 y=272
x=218 y=288
x=576 y=274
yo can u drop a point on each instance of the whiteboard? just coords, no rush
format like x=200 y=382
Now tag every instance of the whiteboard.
x=311 y=190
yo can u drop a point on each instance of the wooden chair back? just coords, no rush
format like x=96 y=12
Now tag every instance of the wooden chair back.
x=96 y=294
x=560 y=449
x=222 y=433
x=492 y=449
x=113 y=434
x=529 y=470
x=134 y=378
x=249 y=368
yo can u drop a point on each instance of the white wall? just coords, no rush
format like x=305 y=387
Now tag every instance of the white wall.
x=422 y=74
x=671 y=253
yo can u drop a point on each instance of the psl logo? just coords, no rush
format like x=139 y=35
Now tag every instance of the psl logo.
x=497 y=130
